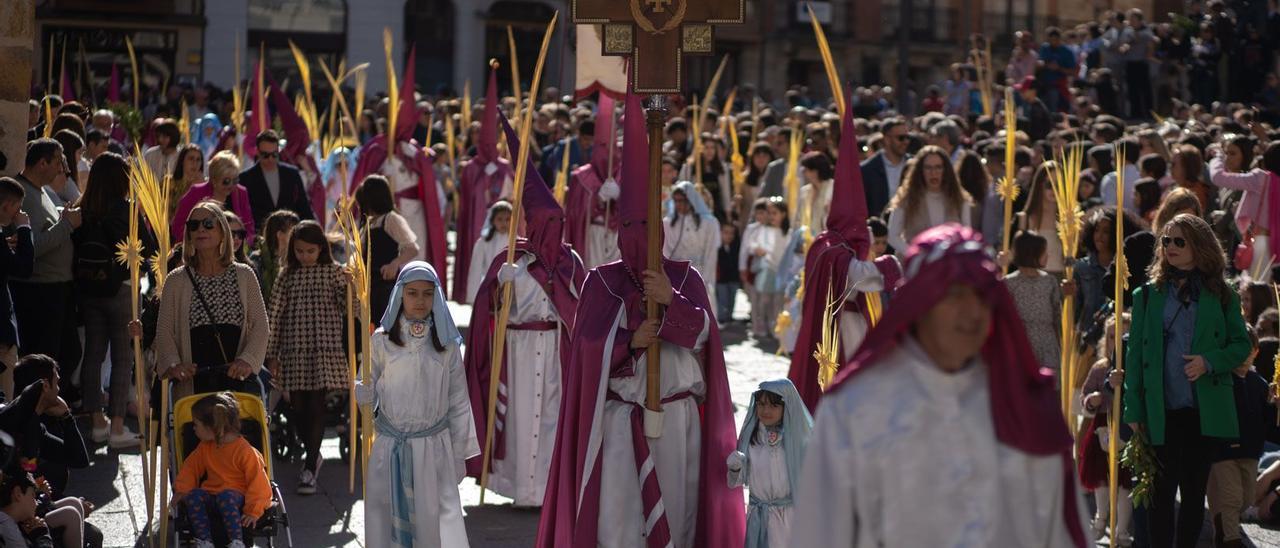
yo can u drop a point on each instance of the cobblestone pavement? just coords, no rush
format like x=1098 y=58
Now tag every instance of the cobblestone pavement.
x=334 y=517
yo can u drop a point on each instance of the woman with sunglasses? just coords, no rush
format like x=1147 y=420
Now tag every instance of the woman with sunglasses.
x=212 y=330
x=1186 y=336
x=223 y=189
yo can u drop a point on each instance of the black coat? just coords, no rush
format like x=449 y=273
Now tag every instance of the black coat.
x=15 y=262
x=293 y=195
x=875 y=183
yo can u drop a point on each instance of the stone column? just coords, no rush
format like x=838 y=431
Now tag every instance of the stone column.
x=227 y=24
x=17 y=39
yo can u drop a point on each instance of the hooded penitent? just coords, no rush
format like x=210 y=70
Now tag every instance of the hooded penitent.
x=374 y=154
x=480 y=184
x=1024 y=401
x=584 y=184
x=827 y=263
x=557 y=270
x=609 y=311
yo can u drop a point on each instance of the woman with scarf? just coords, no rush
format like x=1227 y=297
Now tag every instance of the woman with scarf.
x=423 y=419
x=770 y=452
x=692 y=233
x=942 y=412
x=1186 y=336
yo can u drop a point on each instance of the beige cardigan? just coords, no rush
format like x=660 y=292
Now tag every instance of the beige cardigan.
x=173 y=328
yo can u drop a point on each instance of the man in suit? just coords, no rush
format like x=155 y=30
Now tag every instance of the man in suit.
x=882 y=173
x=273 y=185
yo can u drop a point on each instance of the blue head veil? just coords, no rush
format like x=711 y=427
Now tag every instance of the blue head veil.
x=206 y=142
x=796 y=425
x=443 y=322
x=691 y=193
x=330 y=165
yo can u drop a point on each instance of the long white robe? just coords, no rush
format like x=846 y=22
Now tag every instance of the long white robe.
x=602 y=246
x=675 y=454
x=482 y=255
x=416 y=388
x=698 y=243
x=533 y=394
x=769 y=481
x=863 y=277
x=411 y=209
x=906 y=439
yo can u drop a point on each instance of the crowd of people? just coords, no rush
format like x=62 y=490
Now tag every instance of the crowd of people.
x=867 y=240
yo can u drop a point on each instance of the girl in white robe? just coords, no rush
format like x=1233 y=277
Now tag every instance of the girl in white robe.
x=770 y=451
x=492 y=242
x=768 y=243
x=693 y=234
x=423 y=420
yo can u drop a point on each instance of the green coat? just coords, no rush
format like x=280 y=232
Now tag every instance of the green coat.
x=1220 y=337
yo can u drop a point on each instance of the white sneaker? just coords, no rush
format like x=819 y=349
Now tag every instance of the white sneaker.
x=1099 y=527
x=307 y=483
x=204 y=543
x=237 y=543
x=100 y=435
x=125 y=439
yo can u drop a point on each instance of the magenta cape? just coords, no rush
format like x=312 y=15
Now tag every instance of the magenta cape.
x=583 y=196
x=373 y=155
x=562 y=286
x=476 y=192
x=1024 y=401
x=198 y=193
x=571 y=509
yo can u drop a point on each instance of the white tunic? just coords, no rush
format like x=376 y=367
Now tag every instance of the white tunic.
x=675 y=454
x=906 y=439
x=411 y=209
x=533 y=394
x=863 y=277
x=602 y=246
x=482 y=255
x=698 y=243
x=416 y=388
x=769 y=481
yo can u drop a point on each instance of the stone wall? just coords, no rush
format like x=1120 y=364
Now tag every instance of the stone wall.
x=17 y=28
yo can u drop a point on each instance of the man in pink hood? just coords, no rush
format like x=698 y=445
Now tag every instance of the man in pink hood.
x=593 y=194
x=609 y=484
x=485 y=179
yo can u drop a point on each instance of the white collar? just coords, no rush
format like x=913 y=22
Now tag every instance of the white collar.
x=941 y=384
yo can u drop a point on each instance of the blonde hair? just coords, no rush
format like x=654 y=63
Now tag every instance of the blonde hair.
x=225 y=253
x=1178 y=199
x=1152 y=138
x=223 y=164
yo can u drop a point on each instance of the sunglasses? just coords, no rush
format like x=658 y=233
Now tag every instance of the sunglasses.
x=241 y=233
x=195 y=224
x=268 y=155
x=229 y=181
x=1178 y=242
x=903 y=138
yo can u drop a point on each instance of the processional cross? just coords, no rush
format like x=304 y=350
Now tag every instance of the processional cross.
x=656 y=35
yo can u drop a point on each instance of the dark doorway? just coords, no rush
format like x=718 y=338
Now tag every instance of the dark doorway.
x=429 y=26
x=528 y=22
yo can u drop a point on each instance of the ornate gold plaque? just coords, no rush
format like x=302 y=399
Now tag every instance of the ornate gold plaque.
x=697 y=39
x=618 y=39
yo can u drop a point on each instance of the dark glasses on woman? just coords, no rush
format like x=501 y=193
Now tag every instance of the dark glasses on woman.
x=195 y=224
x=1178 y=241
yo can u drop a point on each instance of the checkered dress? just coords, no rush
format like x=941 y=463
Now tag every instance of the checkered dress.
x=307 y=318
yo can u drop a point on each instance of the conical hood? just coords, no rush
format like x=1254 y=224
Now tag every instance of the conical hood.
x=259 y=107
x=113 y=90
x=633 y=204
x=848 y=214
x=487 y=146
x=296 y=136
x=543 y=216
x=407 y=119
x=600 y=148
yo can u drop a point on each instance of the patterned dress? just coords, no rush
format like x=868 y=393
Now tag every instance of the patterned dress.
x=1039 y=301
x=307 y=318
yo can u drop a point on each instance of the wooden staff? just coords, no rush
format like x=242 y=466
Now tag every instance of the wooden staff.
x=163 y=495
x=500 y=328
x=655 y=113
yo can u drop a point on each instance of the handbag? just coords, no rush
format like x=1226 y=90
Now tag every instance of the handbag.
x=1242 y=259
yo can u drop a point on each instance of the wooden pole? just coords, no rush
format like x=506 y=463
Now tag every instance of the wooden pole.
x=164 y=463
x=655 y=115
x=353 y=411
x=500 y=328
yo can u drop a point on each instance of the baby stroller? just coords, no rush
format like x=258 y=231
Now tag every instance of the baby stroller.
x=254 y=428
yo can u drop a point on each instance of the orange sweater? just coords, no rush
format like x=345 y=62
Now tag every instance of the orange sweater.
x=236 y=466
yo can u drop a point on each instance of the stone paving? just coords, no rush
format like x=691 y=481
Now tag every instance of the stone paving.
x=334 y=517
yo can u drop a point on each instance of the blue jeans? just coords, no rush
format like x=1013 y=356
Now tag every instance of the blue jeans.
x=726 y=294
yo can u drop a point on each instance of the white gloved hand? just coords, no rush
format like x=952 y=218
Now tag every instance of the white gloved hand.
x=610 y=190
x=490 y=168
x=408 y=149
x=365 y=394
x=507 y=272
x=735 y=461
